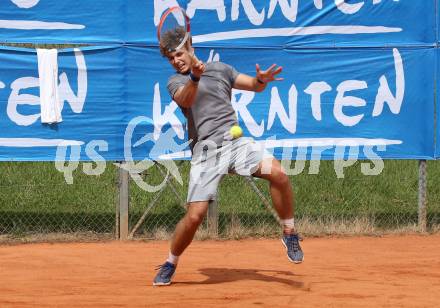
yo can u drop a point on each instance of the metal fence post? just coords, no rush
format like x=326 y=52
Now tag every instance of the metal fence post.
x=116 y=182
x=213 y=219
x=422 y=196
x=123 y=203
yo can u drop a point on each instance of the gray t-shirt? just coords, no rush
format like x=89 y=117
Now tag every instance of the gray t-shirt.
x=212 y=115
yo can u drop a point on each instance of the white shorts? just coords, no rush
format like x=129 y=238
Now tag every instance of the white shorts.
x=211 y=162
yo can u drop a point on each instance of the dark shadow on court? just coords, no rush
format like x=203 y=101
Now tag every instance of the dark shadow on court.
x=225 y=275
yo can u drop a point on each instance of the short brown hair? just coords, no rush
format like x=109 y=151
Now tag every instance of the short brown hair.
x=170 y=39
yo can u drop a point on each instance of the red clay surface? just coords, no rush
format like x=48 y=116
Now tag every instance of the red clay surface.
x=392 y=271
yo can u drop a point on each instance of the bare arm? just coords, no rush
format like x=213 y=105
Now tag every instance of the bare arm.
x=260 y=81
x=186 y=95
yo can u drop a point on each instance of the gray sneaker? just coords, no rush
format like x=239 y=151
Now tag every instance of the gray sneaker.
x=294 y=251
x=166 y=272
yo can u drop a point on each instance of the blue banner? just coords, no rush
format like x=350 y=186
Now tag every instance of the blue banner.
x=91 y=90
x=281 y=23
x=329 y=98
x=62 y=22
x=437 y=94
x=359 y=77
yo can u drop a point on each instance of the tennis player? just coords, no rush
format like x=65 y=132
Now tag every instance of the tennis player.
x=203 y=92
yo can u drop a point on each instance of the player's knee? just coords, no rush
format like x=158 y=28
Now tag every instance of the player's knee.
x=279 y=177
x=195 y=219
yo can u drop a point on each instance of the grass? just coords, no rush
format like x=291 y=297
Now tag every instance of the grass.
x=34 y=198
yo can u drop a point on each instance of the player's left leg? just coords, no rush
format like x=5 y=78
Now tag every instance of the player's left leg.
x=283 y=201
x=280 y=189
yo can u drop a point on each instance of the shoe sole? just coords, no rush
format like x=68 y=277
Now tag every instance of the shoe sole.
x=293 y=261
x=160 y=284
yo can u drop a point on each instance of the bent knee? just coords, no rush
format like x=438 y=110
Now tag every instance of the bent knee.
x=279 y=177
x=195 y=219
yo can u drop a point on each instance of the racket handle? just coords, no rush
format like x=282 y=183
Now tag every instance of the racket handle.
x=194 y=58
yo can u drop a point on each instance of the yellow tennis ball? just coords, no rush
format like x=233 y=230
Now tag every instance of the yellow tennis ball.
x=236 y=131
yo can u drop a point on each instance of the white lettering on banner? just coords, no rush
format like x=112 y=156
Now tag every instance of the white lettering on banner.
x=342 y=101
x=384 y=94
x=35 y=24
x=65 y=94
x=16 y=99
x=217 y=5
x=318 y=4
x=241 y=110
x=316 y=89
x=326 y=143
x=37 y=142
x=2 y=85
x=38 y=25
x=25 y=4
x=290 y=12
x=213 y=56
x=254 y=17
x=379 y=1
x=277 y=108
x=241 y=99
x=348 y=8
x=294 y=31
x=168 y=116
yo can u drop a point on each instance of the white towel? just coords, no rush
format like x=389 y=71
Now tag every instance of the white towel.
x=48 y=75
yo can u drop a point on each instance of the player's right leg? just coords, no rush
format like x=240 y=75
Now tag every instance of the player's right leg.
x=183 y=236
x=205 y=175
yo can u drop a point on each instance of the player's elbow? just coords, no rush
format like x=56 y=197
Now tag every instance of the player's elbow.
x=184 y=102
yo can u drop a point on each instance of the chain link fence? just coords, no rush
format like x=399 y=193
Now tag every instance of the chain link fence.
x=325 y=204
x=35 y=200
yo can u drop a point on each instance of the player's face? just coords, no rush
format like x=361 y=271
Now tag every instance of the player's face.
x=180 y=60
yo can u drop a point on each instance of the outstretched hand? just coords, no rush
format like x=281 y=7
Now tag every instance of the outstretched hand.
x=269 y=74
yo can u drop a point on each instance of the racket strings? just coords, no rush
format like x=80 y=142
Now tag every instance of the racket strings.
x=173 y=30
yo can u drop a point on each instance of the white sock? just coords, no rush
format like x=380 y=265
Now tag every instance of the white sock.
x=289 y=223
x=172 y=258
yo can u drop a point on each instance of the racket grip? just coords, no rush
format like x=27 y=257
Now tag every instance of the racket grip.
x=194 y=58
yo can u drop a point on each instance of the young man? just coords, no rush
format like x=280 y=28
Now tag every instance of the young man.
x=203 y=92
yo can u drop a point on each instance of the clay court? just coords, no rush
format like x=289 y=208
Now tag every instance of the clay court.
x=397 y=271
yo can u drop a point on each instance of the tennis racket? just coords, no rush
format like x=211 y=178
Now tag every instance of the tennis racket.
x=174 y=30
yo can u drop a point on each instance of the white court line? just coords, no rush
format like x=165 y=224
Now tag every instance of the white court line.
x=38 y=25
x=304 y=142
x=36 y=142
x=294 y=31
